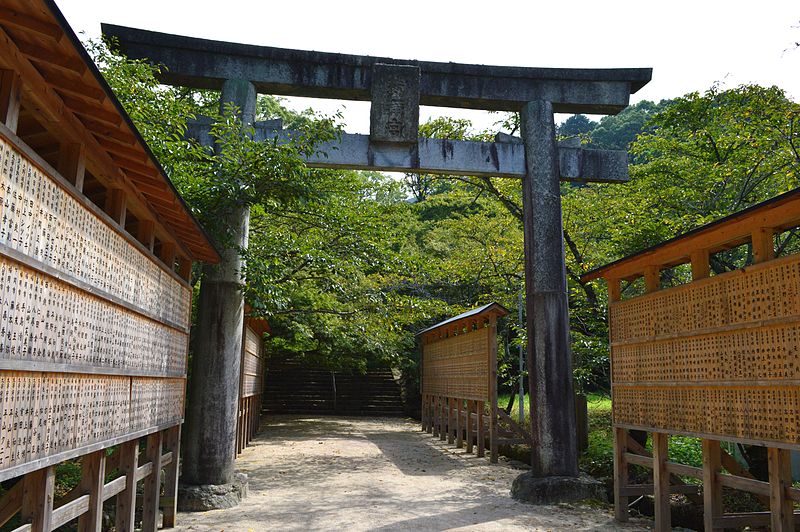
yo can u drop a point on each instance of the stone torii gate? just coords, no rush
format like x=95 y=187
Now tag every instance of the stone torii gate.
x=396 y=89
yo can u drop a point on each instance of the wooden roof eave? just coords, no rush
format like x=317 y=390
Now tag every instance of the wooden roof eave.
x=779 y=213
x=83 y=107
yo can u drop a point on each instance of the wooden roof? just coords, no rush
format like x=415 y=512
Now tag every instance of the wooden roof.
x=777 y=214
x=493 y=308
x=64 y=96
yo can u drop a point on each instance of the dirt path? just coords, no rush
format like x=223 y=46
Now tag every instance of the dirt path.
x=332 y=473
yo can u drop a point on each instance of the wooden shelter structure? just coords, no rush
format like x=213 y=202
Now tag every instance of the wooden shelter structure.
x=716 y=358
x=459 y=381
x=96 y=248
x=251 y=381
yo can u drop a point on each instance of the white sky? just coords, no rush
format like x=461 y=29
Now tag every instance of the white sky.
x=689 y=44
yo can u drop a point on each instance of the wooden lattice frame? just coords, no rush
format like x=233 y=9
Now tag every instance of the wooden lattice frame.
x=251 y=381
x=718 y=358
x=459 y=382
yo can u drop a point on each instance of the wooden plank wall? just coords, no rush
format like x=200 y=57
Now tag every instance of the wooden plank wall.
x=718 y=359
x=251 y=388
x=459 y=385
x=93 y=346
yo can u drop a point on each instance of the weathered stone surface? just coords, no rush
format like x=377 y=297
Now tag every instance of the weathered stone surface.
x=549 y=360
x=207 y=497
x=205 y=64
x=448 y=157
x=549 y=490
x=394 y=113
x=213 y=404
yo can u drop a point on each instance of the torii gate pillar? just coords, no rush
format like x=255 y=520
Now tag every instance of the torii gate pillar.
x=552 y=403
x=210 y=433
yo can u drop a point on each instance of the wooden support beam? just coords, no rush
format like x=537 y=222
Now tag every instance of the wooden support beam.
x=652 y=279
x=434 y=428
x=763 y=244
x=172 y=444
x=152 y=484
x=126 y=500
x=10 y=93
x=72 y=163
x=661 y=482
x=780 y=480
x=735 y=468
x=424 y=412
x=93 y=474
x=15 y=19
x=712 y=489
x=620 y=474
x=493 y=415
x=481 y=430
x=116 y=205
x=52 y=57
x=168 y=251
x=451 y=421
x=614 y=290
x=10 y=503
x=459 y=423
x=700 y=264
x=145 y=234
x=97 y=112
x=38 y=492
x=470 y=431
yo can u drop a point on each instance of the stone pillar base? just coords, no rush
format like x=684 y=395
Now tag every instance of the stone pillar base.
x=549 y=490
x=212 y=496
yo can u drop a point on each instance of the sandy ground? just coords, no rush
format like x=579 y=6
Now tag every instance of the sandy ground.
x=333 y=473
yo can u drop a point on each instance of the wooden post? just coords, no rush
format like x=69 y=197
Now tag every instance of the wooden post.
x=116 y=205
x=620 y=474
x=661 y=482
x=93 y=474
x=185 y=268
x=168 y=251
x=700 y=264
x=763 y=244
x=172 y=443
x=10 y=91
x=614 y=290
x=146 y=233
x=481 y=430
x=712 y=489
x=652 y=278
x=38 y=492
x=493 y=413
x=451 y=424
x=470 y=432
x=126 y=499
x=459 y=423
x=152 y=484
x=72 y=163
x=434 y=427
x=780 y=480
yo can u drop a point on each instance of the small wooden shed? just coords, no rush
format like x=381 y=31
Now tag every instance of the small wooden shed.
x=96 y=248
x=716 y=358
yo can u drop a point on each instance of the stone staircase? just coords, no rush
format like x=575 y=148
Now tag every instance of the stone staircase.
x=291 y=388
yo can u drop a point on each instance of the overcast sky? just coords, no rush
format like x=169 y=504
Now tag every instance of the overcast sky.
x=689 y=44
